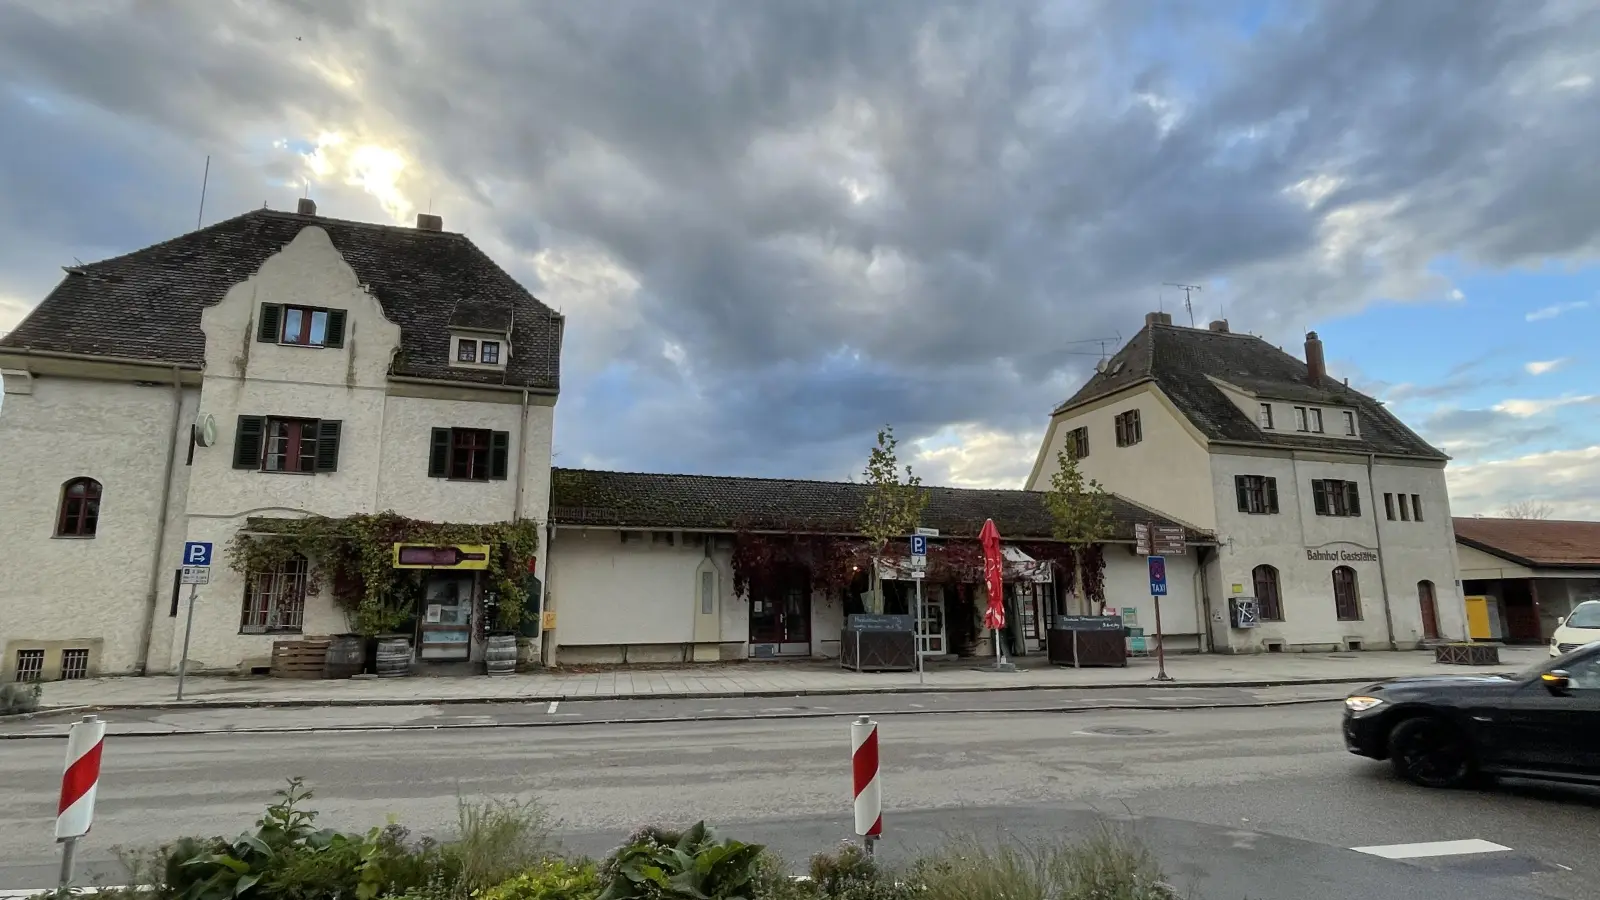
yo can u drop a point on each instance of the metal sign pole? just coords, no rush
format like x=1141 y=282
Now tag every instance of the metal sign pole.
x=69 y=850
x=188 y=626
x=1161 y=644
x=917 y=642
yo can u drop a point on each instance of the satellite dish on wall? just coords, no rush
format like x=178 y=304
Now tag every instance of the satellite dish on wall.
x=205 y=429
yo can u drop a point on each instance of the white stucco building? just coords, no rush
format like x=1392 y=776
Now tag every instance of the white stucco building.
x=271 y=365
x=644 y=569
x=1327 y=510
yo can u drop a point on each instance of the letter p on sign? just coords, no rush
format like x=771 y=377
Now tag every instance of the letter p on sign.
x=197 y=553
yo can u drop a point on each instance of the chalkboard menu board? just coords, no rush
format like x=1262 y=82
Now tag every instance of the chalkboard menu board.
x=1087 y=623
x=867 y=622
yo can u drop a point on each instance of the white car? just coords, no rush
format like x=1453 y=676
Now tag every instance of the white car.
x=1582 y=627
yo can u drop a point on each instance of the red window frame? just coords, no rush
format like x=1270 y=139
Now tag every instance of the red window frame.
x=292 y=443
x=469 y=453
x=79 y=513
x=307 y=317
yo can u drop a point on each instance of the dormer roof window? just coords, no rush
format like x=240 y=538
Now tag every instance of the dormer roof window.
x=480 y=334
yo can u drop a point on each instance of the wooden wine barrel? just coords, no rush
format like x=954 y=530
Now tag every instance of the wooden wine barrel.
x=346 y=655
x=394 y=657
x=500 y=654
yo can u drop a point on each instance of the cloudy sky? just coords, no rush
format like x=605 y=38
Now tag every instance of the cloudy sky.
x=777 y=225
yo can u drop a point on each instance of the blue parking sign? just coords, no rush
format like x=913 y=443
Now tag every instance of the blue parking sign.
x=1158 y=576
x=197 y=553
x=919 y=545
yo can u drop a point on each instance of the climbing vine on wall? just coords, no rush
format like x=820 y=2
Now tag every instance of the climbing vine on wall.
x=835 y=562
x=357 y=552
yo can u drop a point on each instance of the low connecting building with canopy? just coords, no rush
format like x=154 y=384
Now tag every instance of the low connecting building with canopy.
x=681 y=568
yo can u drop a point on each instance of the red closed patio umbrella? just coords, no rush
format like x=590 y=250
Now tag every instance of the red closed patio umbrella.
x=994 y=617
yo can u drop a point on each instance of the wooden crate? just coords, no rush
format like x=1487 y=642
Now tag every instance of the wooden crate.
x=1467 y=654
x=299 y=659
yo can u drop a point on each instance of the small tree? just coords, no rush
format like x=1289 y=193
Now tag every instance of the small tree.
x=1081 y=510
x=1529 y=509
x=893 y=507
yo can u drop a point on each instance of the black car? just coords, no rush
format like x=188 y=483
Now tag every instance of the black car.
x=1445 y=730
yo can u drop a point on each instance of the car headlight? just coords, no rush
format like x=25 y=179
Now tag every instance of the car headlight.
x=1361 y=704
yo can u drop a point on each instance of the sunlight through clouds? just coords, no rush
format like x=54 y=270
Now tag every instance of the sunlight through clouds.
x=373 y=168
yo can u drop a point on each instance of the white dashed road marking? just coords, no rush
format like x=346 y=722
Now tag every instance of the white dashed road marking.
x=553 y=705
x=1433 y=848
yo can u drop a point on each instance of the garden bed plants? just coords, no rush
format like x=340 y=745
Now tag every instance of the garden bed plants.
x=504 y=850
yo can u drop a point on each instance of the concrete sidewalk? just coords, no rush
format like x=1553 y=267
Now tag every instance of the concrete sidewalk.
x=752 y=679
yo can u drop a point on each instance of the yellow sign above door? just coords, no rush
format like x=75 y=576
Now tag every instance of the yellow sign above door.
x=450 y=556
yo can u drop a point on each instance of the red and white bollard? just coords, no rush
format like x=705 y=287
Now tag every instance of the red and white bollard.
x=79 y=782
x=868 y=789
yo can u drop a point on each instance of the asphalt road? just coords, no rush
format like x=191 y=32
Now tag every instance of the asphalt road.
x=1257 y=803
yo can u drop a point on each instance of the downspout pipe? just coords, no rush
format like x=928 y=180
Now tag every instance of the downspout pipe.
x=522 y=458
x=153 y=583
x=1377 y=537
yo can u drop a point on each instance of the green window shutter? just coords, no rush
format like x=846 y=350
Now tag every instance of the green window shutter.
x=439 y=454
x=1319 y=498
x=1352 y=498
x=1272 y=495
x=1242 y=491
x=269 y=325
x=499 y=454
x=334 y=336
x=328 y=445
x=247 y=442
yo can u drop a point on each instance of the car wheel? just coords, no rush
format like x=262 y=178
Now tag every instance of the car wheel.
x=1430 y=752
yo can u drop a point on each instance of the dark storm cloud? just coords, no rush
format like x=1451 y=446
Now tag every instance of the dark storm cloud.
x=943 y=194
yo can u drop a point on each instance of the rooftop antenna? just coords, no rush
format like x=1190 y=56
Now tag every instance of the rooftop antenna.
x=204 y=180
x=1188 y=303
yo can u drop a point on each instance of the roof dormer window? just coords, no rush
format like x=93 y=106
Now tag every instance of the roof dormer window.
x=477 y=351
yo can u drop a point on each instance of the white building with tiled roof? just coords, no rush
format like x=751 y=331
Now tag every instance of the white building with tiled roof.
x=1328 y=511
x=273 y=365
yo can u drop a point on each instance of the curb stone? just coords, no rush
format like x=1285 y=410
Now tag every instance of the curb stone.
x=303 y=702
x=672 y=720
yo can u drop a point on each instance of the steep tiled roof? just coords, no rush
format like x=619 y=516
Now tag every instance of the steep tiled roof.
x=1178 y=360
x=1536 y=543
x=146 y=304
x=714 y=502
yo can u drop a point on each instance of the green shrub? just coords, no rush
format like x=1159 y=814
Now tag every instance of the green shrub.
x=850 y=866
x=496 y=840
x=1106 y=867
x=698 y=866
x=19 y=698
x=554 y=879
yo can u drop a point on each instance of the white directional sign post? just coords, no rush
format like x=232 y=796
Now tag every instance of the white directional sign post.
x=196 y=571
x=919 y=570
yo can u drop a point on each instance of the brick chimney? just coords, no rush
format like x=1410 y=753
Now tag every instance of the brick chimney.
x=429 y=222
x=1220 y=325
x=1158 y=318
x=1316 y=369
x=306 y=207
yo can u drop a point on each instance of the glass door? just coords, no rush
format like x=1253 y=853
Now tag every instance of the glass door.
x=446 y=625
x=780 y=619
x=930 y=625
